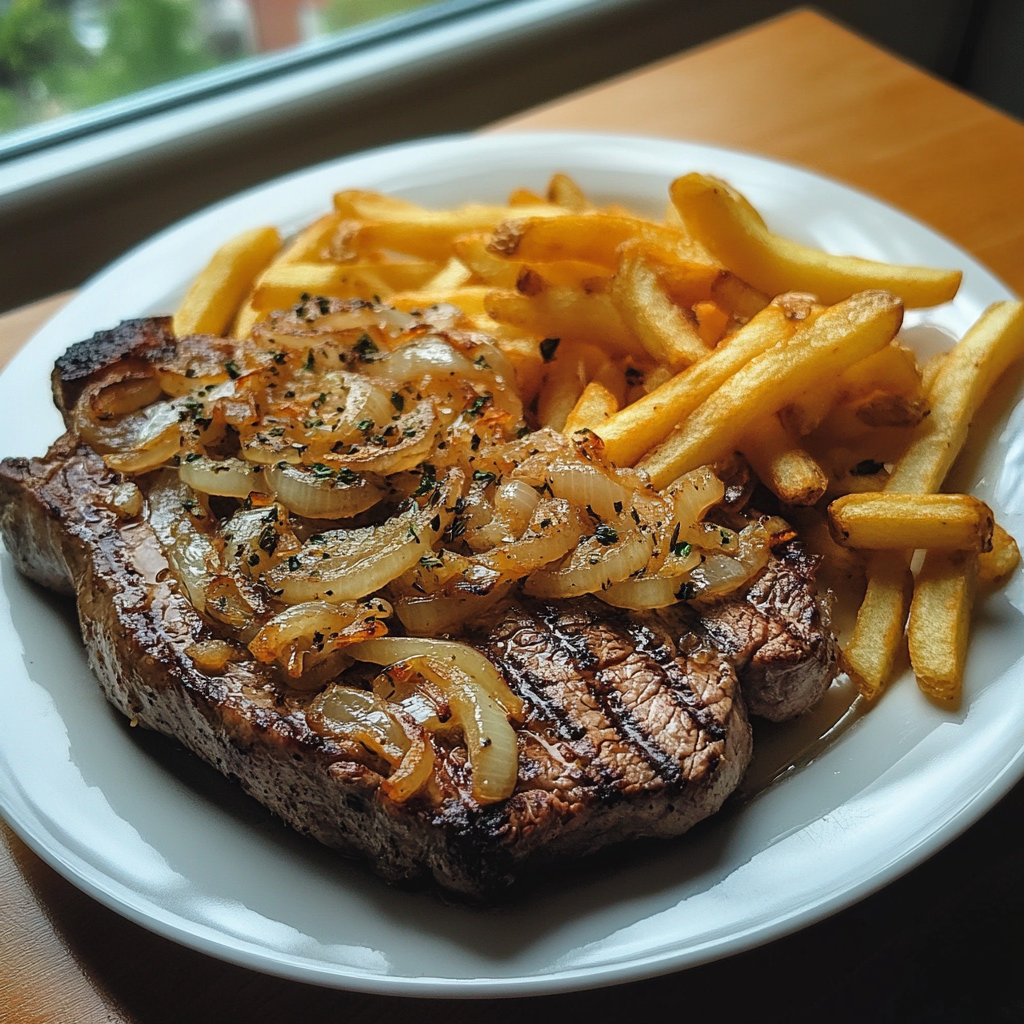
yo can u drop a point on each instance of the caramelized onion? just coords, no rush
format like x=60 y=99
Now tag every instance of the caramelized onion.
x=389 y=650
x=356 y=714
x=642 y=592
x=595 y=564
x=342 y=565
x=319 y=492
x=229 y=478
x=306 y=634
x=553 y=532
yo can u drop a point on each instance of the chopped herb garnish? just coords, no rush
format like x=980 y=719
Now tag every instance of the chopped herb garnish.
x=413 y=535
x=310 y=361
x=293 y=563
x=483 y=476
x=606 y=534
x=481 y=363
x=548 y=348
x=431 y=562
x=478 y=405
x=726 y=537
x=279 y=357
x=192 y=456
x=435 y=523
x=686 y=592
x=254 y=559
x=234 y=371
x=474 y=442
x=346 y=476
x=289 y=394
x=319 y=400
x=365 y=426
x=409 y=432
x=365 y=347
x=428 y=480
x=681 y=550
x=321 y=472
x=397 y=401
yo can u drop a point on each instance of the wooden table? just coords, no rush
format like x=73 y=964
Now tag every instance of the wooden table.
x=931 y=945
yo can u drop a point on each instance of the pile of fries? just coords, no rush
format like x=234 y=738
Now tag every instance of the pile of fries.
x=680 y=343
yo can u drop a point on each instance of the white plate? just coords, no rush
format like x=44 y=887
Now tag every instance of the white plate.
x=150 y=831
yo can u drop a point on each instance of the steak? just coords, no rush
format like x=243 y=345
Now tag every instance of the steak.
x=635 y=723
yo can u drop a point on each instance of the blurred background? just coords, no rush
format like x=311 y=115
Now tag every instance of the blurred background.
x=118 y=117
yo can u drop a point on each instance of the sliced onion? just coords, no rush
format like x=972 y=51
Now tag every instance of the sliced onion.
x=417 y=765
x=694 y=493
x=490 y=739
x=586 y=485
x=416 y=432
x=426 y=356
x=319 y=493
x=123 y=396
x=135 y=435
x=212 y=656
x=229 y=478
x=720 y=574
x=256 y=539
x=343 y=565
x=356 y=714
x=641 y=593
x=435 y=614
x=389 y=650
x=594 y=566
x=306 y=634
x=517 y=500
x=554 y=530
x=193 y=557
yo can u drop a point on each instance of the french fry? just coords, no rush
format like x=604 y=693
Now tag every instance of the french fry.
x=430 y=234
x=781 y=464
x=585 y=237
x=493 y=270
x=524 y=197
x=562 y=387
x=669 y=333
x=994 y=342
x=731 y=230
x=840 y=336
x=282 y=284
x=454 y=275
x=940 y=618
x=998 y=563
x=356 y=204
x=742 y=300
x=567 y=313
x=469 y=298
x=637 y=428
x=712 y=321
x=211 y=302
x=563 y=191
x=871 y=652
x=523 y=354
x=895 y=522
x=961 y=382
x=594 y=406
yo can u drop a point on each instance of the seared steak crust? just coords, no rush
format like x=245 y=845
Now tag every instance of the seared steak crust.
x=630 y=731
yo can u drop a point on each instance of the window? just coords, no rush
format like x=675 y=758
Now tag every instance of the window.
x=62 y=56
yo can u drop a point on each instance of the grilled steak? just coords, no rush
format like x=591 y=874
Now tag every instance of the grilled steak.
x=635 y=723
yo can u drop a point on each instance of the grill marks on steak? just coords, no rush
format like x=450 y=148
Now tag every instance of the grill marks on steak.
x=639 y=711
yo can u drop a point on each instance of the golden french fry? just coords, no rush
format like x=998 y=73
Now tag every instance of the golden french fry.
x=840 y=336
x=454 y=275
x=894 y=522
x=731 y=230
x=524 y=197
x=493 y=270
x=563 y=191
x=355 y=204
x=781 y=464
x=522 y=352
x=669 y=333
x=430 y=234
x=571 y=314
x=1001 y=560
x=585 y=237
x=712 y=321
x=741 y=299
x=637 y=428
x=469 y=298
x=282 y=284
x=594 y=406
x=930 y=370
x=940 y=618
x=562 y=387
x=965 y=378
x=869 y=656
x=246 y=319
x=211 y=302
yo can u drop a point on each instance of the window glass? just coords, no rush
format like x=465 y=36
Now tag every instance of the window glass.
x=58 y=56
